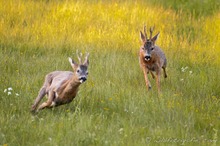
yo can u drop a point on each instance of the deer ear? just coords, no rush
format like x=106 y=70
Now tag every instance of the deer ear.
x=72 y=63
x=143 y=38
x=155 y=37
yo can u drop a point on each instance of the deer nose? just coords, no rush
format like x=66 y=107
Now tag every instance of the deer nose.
x=82 y=79
x=147 y=57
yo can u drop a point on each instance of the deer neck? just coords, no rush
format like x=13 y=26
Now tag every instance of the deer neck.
x=74 y=82
x=69 y=88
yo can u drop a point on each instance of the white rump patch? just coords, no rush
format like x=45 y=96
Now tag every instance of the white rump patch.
x=53 y=104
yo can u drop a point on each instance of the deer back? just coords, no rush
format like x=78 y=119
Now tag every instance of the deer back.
x=58 y=78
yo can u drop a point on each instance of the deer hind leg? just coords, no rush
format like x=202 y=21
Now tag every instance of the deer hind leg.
x=49 y=102
x=41 y=94
x=164 y=72
x=158 y=83
x=148 y=85
x=152 y=74
x=158 y=71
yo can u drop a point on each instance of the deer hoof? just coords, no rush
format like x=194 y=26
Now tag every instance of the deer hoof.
x=33 y=108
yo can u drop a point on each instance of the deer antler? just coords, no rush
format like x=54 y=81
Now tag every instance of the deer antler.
x=86 y=59
x=151 y=31
x=79 y=55
x=145 y=31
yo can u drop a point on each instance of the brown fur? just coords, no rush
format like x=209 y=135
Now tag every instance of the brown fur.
x=61 y=87
x=157 y=59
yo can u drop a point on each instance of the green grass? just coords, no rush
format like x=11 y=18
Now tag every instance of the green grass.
x=113 y=106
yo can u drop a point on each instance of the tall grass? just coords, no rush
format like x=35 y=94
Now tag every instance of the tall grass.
x=113 y=106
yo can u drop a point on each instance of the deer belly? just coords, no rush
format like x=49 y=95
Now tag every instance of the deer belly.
x=60 y=101
x=151 y=67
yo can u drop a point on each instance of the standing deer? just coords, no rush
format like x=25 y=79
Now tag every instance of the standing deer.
x=151 y=58
x=61 y=87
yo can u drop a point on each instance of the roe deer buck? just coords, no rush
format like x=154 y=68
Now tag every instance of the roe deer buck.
x=151 y=58
x=61 y=87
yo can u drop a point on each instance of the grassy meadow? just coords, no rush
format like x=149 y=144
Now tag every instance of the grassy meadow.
x=112 y=107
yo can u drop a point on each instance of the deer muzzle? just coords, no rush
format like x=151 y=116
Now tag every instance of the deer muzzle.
x=82 y=79
x=147 y=57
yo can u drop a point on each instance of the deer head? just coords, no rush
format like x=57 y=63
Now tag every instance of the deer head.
x=81 y=69
x=148 y=43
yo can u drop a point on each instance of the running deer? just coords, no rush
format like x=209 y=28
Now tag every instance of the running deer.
x=151 y=58
x=61 y=87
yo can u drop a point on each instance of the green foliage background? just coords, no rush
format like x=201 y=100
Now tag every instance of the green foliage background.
x=113 y=106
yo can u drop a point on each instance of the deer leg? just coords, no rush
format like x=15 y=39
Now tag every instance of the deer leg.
x=164 y=72
x=158 y=81
x=148 y=85
x=152 y=74
x=48 y=102
x=41 y=94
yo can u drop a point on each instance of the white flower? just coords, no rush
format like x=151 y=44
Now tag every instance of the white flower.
x=5 y=90
x=190 y=72
x=125 y=110
x=120 y=130
x=9 y=93
x=16 y=94
x=181 y=79
x=184 y=68
x=10 y=88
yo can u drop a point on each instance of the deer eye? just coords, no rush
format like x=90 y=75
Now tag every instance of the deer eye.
x=87 y=73
x=152 y=48
x=77 y=71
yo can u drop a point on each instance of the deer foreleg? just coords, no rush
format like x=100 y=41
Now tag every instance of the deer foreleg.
x=148 y=85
